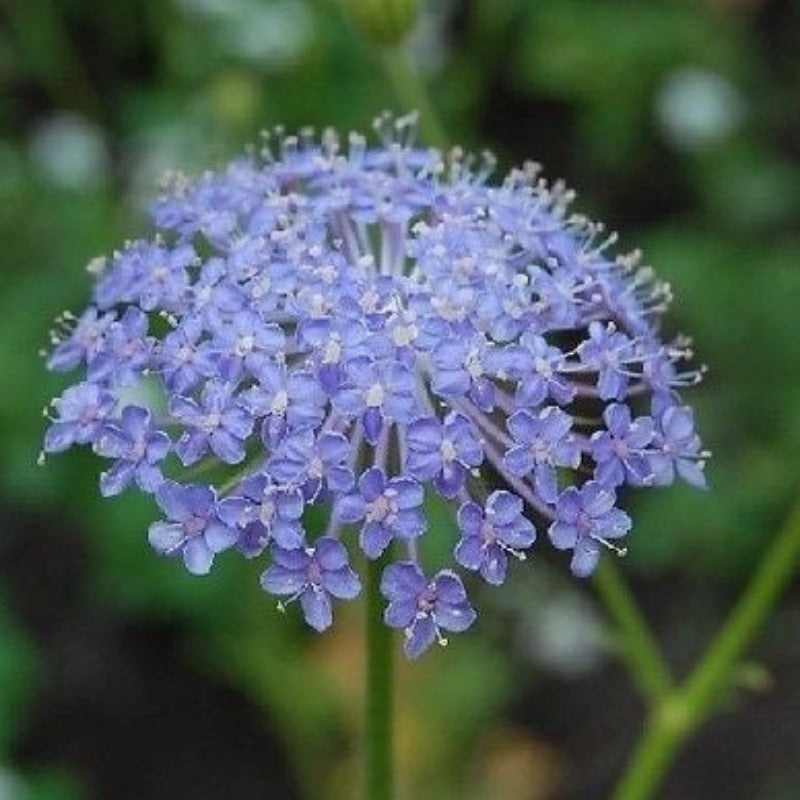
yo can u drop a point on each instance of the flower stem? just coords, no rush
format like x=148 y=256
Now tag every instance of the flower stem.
x=379 y=690
x=664 y=733
x=678 y=713
x=638 y=648
x=773 y=575
x=413 y=94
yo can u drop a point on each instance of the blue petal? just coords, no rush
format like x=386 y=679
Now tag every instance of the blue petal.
x=420 y=637
x=197 y=556
x=341 y=583
x=317 y=608
x=281 y=581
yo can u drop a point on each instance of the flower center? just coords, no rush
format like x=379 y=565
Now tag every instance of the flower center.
x=448 y=450
x=584 y=524
x=279 y=403
x=332 y=351
x=267 y=513
x=194 y=525
x=314 y=573
x=487 y=533
x=375 y=395
x=315 y=467
x=245 y=344
x=381 y=508
x=212 y=421
x=543 y=367
x=473 y=364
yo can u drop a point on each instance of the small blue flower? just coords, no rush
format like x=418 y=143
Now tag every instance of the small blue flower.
x=125 y=351
x=609 y=352
x=284 y=400
x=215 y=420
x=390 y=509
x=313 y=463
x=378 y=392
x=137 y=447
x=184 y=358
x=264 y=511
x=443 y=452
x=246 y=341
x=540 y=368
x=542 y=442
x=620 y=452
x=586 y=519
x=81 y=343
x=82 y=411
x=467 y=366
x=314 y=575
x=193 y=530
x=678 y=449
x=422 y=607
x=489 y=535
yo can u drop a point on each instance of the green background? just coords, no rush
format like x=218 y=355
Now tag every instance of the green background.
x=122 y=677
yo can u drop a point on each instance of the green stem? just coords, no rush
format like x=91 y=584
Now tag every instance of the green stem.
x=378 y=703
x=676 y=715
x=637 y=646
x=413 y=95
x=663 y=735
x=773 y=574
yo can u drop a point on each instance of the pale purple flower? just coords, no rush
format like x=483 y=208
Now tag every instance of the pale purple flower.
x=541 y=371
x=193 y=529
x=313 y=463
x=184 y=357
x=246 y=341
x=677 y=449
x=587 y=520
x=609 y=352
x=313 y=575
x=125 y=351
x=443 y=452
x=422 y=607
x=215 y=421
x=377 y=392
x=389 y=509
x=137 y=447
x=332 y=342
x=264 y=512
x=82 y=410
x=543 y=442
x=468 y=366
x=284 y=400
x=78 y=341
x=490 y=534
x=620 y=452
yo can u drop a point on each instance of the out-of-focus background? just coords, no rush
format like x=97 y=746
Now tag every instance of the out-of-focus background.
x=123 y=678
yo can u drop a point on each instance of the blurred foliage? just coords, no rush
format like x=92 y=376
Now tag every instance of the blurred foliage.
x=679 y=122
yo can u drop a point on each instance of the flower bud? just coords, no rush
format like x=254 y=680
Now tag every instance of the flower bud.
x=383 y=22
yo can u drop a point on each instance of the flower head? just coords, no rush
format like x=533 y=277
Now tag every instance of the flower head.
x=361 y=326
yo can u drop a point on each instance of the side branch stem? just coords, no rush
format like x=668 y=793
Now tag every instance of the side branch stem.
x=637 y=646
x=677 y=713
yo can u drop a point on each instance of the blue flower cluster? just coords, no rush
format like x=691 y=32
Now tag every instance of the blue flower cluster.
x=356 y=326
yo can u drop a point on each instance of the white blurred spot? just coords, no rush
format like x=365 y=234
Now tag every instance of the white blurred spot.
x=70 y=151
x=696 y=108
x=270 y=34
x=11 y=788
